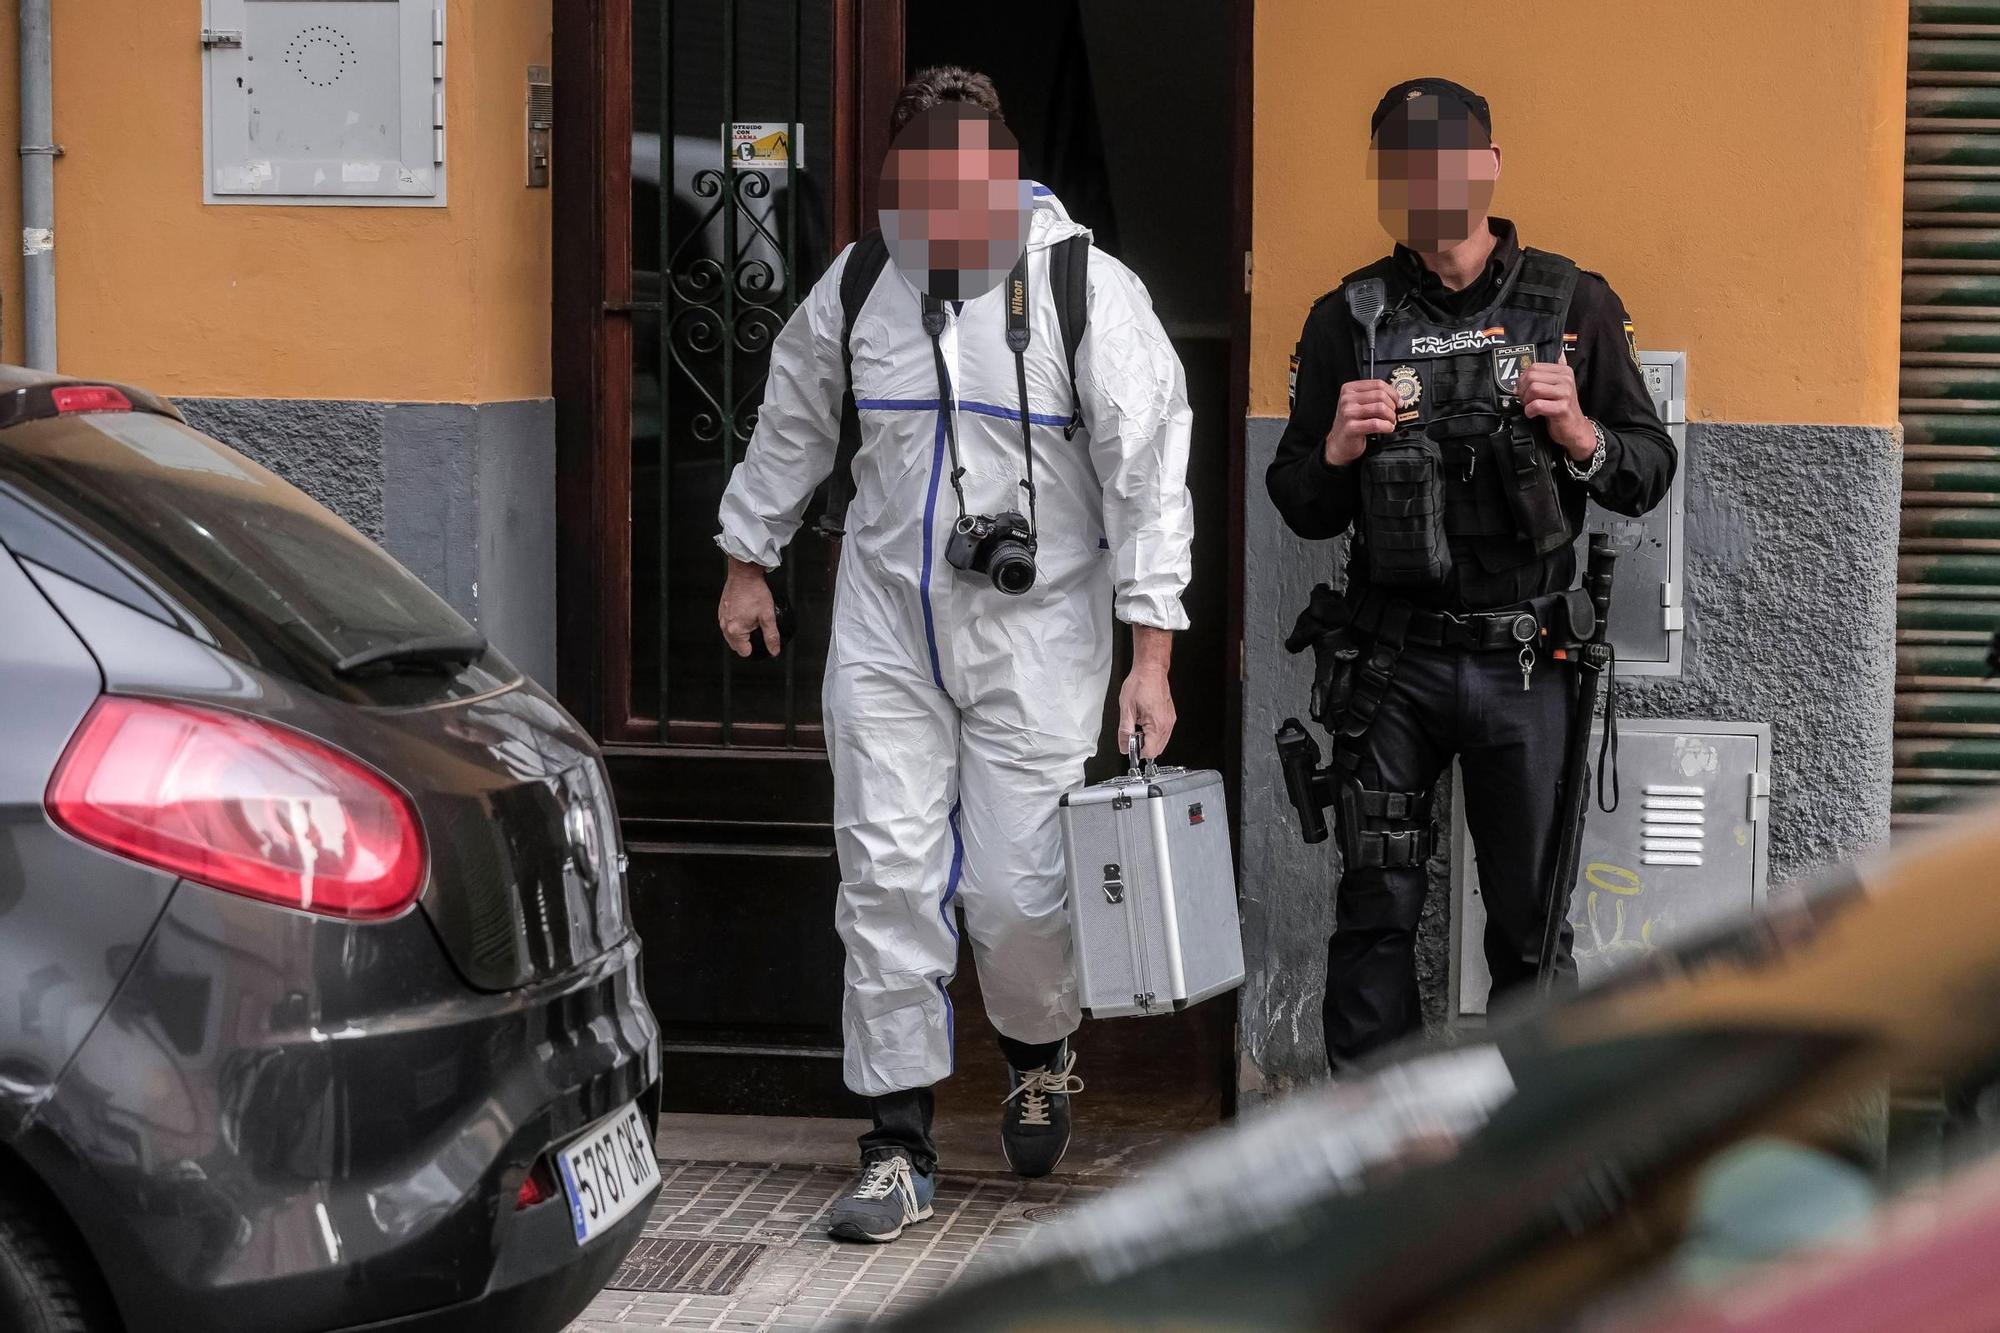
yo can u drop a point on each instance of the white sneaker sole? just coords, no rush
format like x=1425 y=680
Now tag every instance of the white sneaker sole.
x=853 y=1231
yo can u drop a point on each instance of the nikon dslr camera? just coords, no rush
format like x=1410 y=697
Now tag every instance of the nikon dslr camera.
x=1000 y=546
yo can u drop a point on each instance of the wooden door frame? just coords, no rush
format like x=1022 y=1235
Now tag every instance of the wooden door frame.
x=591 y=328
x=591 y=268
x=1242 y=187
x=1242 y=149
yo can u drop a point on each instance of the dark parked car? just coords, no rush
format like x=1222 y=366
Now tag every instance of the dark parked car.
x=319 y=1000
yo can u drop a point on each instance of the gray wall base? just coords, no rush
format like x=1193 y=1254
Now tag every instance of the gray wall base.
x=1791 y=620
x=462 y=494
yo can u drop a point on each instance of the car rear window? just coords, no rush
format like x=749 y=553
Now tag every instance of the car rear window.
x=268 y=571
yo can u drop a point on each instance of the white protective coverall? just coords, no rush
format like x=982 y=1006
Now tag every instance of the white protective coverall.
x=957 y=715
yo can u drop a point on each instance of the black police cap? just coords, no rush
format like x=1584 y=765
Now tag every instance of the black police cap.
x=1449 y=93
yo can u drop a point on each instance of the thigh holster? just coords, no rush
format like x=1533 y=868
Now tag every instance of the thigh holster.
x=1383 y=830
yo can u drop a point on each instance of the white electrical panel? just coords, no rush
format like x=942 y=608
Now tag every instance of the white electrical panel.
x=1648 y=583
x=324 y=101
x=1685 y=850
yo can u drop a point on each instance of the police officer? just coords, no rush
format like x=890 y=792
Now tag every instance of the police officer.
x=1459 y=437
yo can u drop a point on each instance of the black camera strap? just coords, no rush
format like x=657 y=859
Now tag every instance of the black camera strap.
x=947 y=400
x=1017 y=341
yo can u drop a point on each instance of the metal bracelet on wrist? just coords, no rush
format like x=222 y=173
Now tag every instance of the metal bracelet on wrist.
x=1596 y=457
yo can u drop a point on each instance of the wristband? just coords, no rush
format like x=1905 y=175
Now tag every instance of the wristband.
x=1596 y=457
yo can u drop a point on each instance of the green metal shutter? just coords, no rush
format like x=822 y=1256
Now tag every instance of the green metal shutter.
x=1948 y=598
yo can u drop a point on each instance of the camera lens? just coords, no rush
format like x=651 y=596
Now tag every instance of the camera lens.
x=1013 y=567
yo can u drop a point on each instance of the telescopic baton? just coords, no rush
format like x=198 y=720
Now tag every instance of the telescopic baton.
x=1593 y=661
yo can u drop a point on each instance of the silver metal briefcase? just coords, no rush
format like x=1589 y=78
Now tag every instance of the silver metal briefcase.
x=1152 y=891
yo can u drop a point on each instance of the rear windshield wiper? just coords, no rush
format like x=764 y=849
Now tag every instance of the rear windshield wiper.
x=439 y=650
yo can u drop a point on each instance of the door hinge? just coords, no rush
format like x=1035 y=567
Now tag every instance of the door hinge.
x=1242 y=661
x=230 y=38
x=437 y=75
x=1760 y=796
x=1246 y=272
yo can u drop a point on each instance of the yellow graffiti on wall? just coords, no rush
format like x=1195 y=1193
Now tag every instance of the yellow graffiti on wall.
x=1622 y=891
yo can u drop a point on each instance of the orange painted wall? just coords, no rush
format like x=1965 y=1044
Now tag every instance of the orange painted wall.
x=1734 y=170
x=396 y=304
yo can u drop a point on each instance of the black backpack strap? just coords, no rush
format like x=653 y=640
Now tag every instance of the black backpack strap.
x=857 y=280
x=1069 y=283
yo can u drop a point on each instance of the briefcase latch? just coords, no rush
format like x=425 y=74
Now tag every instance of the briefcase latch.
x=1114 y=883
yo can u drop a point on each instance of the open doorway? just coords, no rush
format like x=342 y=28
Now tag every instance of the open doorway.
x=1131 y=112
x=1124 y=109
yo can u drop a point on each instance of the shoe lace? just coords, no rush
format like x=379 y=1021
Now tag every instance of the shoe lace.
x=1038 y=1085
x=883 y=1177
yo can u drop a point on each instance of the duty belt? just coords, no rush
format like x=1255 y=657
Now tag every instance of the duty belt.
x=1478 y=631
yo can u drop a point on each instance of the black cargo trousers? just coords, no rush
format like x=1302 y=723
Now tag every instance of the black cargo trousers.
x=1442 y=703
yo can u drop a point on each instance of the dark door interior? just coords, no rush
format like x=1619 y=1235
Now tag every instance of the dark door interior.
x=676 y=266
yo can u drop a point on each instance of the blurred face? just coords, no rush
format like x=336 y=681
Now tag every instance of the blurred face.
x=954 y=207
x=1433 y=168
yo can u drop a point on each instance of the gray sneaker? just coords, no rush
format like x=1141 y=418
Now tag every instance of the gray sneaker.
x=1034 y=1125
x=890 y=1195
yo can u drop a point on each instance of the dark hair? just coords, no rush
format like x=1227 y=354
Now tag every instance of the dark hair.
x=944 y=83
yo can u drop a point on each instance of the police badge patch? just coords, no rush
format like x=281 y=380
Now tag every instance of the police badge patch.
x=1409 y=392
x=1508 y=365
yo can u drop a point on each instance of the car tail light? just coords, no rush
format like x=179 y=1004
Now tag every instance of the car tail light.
x=538 y=1187
x=74 y=398
x=239 y=804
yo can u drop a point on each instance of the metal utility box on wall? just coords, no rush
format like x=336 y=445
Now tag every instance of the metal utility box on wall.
x=324 y=102
x=1686 y=848
x=1646 y=598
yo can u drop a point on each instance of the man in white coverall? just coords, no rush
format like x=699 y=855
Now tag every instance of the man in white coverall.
x=957 y=714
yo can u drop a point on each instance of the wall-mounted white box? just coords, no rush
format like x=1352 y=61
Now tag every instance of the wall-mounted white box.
x=324 y=102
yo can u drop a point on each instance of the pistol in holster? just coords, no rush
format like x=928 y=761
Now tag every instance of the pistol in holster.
x=1324 y=627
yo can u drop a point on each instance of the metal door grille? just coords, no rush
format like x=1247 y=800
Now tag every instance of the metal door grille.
x=1948 y=603
x=722 y=254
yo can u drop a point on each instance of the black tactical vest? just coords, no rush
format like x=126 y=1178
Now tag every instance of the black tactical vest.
x=1453 y=379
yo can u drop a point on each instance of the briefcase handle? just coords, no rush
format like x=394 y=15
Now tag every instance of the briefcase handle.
x=1135 y=747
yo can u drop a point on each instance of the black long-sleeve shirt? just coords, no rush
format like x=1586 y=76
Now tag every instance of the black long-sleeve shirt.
x=1318 y=501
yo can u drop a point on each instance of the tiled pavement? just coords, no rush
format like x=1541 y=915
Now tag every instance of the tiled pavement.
x=797 y=1278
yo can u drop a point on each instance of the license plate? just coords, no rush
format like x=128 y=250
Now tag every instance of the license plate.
x=608 y=1171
